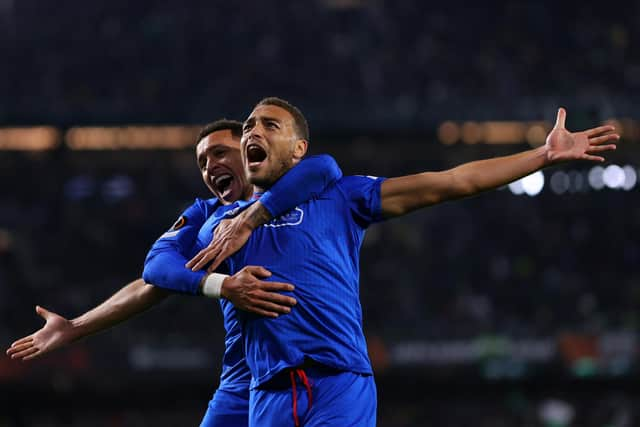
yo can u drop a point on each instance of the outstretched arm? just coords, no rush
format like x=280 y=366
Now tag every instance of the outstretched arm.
x=405 y=194
x=57 y=331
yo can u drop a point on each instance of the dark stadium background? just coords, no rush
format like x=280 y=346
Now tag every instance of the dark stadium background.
x=501 y=310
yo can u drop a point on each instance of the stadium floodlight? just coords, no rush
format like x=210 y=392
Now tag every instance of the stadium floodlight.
x=516 y=187
x=533 y=184
x=596 y=180
x=560 y=182
x=630 y=177
x=613 y=176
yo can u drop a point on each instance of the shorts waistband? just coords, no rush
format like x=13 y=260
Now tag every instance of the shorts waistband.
x=282 y=380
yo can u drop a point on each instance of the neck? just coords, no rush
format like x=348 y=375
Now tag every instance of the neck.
x=248 y=192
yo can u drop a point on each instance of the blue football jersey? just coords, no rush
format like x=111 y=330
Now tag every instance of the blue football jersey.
x=315 y=247
x=164 y=265
x=235 y=372
x=192 y=232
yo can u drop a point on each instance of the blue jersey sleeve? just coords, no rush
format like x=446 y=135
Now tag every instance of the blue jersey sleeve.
x=304 y=181
x=363 y=196
x=164 y=265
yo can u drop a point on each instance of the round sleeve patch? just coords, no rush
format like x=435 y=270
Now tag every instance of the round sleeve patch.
x=179 y=223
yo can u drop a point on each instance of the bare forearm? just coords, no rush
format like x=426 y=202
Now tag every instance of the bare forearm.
x=256 y=215
x=482 y=175
x=405 y=194
x=134 y=298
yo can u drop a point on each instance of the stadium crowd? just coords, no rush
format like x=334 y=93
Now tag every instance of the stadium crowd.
x=357 y=63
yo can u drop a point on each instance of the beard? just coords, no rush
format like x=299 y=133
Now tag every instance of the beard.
x=267 y=178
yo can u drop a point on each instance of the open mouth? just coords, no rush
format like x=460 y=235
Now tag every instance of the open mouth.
x=255 y=154
x=222 y=183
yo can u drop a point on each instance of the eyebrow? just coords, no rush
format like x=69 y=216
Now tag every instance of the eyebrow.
x=262 y=119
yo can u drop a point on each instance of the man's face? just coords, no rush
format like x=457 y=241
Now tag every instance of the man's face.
x=270 y=145
x=220 y=163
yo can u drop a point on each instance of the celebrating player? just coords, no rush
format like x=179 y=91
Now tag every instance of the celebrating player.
x=311 y=366
x=219 y=161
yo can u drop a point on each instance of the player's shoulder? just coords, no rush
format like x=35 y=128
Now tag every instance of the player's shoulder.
x=213 y=202
x=207 y=206
x=231 y=210
x=355 y=182
x=352 y=187
x=358 y=179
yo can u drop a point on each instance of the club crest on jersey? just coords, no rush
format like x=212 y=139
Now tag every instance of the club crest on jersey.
x=293 y=217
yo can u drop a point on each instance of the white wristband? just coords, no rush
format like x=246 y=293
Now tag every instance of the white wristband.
x=213 y=285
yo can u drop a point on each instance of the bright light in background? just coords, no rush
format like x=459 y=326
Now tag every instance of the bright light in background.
x=117 y=188
x=559 y=182
x=531 y=185
x=448 y=133
x=472 y=133
x=577 y=182
x=516 y=187
x=613 y=176
x=596 y=180
x=630 y=177
x=35 y=138
x=537 y=133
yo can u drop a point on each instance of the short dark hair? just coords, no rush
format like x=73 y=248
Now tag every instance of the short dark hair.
x=222 y=124
x=299 y=121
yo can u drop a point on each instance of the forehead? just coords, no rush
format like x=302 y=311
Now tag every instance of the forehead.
x=217 y=138
x=272 y=112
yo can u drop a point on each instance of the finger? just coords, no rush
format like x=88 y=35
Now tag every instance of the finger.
x=279 y=299
x=604 y=138
x=193 y=261
x=258 y=271
x=13 y=350
x=600 y=148
x=211 y=254
x=26 y=352
x=271 y=307
x=43 y=312
x=22 y=341
x=276 y=286
x=593 y=158
x=560 y=119
x=18 y=348
x=32 y=354
x=599 y=130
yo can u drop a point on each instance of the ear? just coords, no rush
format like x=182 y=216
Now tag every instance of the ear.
x=300 y=149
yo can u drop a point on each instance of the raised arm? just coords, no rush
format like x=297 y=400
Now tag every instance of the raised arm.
x=303 y=182
x=405 y=194
x=57 y=331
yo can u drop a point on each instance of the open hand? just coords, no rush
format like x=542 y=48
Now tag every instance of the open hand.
x=563 y=145
x=247 y=292
x=56 y=332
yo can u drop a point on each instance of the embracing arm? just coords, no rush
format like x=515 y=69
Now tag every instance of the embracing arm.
x=165 y=268
x=57 y=332
x=405 y=194
x=303 y=182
